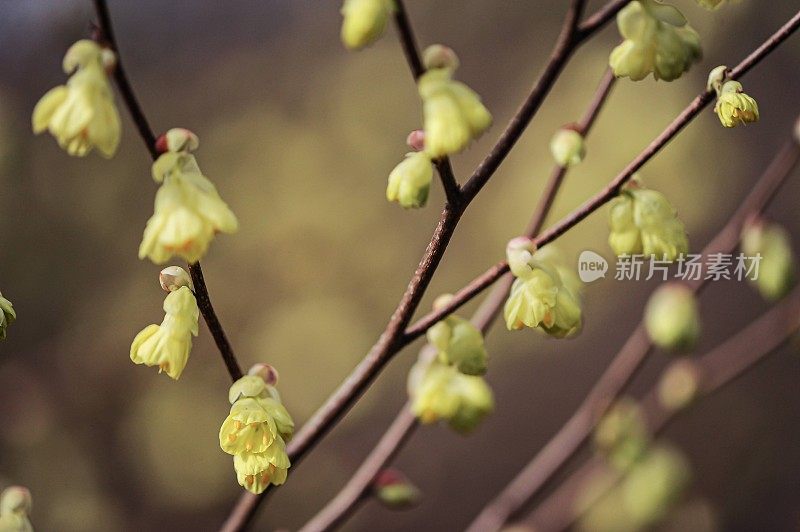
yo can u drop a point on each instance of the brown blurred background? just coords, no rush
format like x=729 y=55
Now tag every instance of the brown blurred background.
x=299 y=137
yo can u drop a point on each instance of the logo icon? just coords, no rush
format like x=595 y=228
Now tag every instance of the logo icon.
x=591 y=266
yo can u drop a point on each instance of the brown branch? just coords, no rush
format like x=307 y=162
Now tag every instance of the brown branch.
x=106 y=35
x=399 y=432
x=569 y=439
x=716 y=369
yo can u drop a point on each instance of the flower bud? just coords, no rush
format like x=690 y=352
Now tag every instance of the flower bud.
x=654 y=484
x=622 y=434
x=247 y=386
x=671 y=317
x=734 y=107
x=416 y=140
x=174 y=277
x=440 y=56
x=776 y=270
x=716 y=78
x=364 y=21
x=109 y=59
x=410 y=181
x=176 y=140
x=267 y=373
x=458 y=342
x=7 y=316
x=519 y=254
x=394 y=490
x=679 y=384
x=16 y=500
x=567 y=147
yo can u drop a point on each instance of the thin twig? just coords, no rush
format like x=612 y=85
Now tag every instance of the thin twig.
x=146 y=133
x=404 y=424
x=623 y=367
x=716 y=369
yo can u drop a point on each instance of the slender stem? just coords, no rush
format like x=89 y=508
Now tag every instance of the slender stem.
x=404 y=424
x=600 y=18
x=715 y=370
x=106 y=34
x=569 y=439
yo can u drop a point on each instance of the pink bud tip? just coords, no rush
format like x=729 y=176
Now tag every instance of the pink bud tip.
x=161 y=143
x=416 y=140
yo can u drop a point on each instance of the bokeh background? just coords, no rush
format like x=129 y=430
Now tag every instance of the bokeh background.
x=299 y=136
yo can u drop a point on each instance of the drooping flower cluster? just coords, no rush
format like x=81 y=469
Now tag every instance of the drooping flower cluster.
x=671 y=317
x=545 y=294
x=458 y=342
x=167 y=346
x=15 y=510
x=188 y=208
x=776 y=270
x=81 y=115
x=7 y=316
x=364 y=21
x=256 y=431
x=658 y=40
x=642 y=221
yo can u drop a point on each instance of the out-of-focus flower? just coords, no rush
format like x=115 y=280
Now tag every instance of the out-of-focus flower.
x=679 y=384
x=188 y=208
x=567 y=147
x=776 y=269
x=15 y=509
x=734 y=107
x=81 y=115
x=458 y=342
x=657 y=40
x=622 y=434
x=545 y=294
x=453 y=114
x=394 y=490
x=643 y=222
x=410 y=181
x=364 y=21
x=440 y=392
x=7 y=316
x=671 y=317
x=168 y=345
x=255 y=433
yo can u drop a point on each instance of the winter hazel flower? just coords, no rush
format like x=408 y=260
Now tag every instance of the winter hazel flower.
x=188 y=209
x=734 y=107
x=453 y=114
x=672 y=319
x=410 y=181
x=657 y=40
x=545 y=294
x=776 y=270
x=15 y=508
x=364 y=21
x=81 y=115
x=567 y=147
x=255 y=433
x=643 y=222
x=458 y=342
x=7 y=316
x=167 y=345
x=441 y=392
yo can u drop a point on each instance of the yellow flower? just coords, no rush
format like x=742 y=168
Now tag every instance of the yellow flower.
x=458 y=342
x=364 y=21
x=7 y=316
x=15 y=507
x=545 y=293
x=453 y=114
x=410 y=181
x=188 y=211
x=776 y=270
x=643 y=222
x=657 y=40
x=81 y=115
x=441 y=392
x=167 y=345
x=255 y=472
x=671 y=317
x=567 y=147
x=734 y=107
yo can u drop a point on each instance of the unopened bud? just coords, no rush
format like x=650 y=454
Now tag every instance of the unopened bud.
x=679 y=384
x=622 y=434
x=174 y=277
x=519 y=252
x=394 y=490
x=716 y=78
x=268 y=373
x=770 y=245
x=442 y=301
x=416 y=140
x=176 y=140
x=567 y=147
x=16 y=500
x=671 y=317
x=109 y=59
x=247 y=386
x=440 y=56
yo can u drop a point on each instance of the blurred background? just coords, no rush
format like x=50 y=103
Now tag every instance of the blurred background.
x=299 y=136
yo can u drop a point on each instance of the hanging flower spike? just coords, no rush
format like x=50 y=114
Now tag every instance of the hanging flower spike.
x=734 y=107
x=441 y=392
x=643 y=221
x=657 y=40
x=364 y=21
x=410 y=181
x=168 y=345
x=15 y=509
x=188 y=208
x=7 y=316
x=81 y=115
x=458 y=342
x=776 y=269
x=545 y=294
x=256 y=430
x=453 y=114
